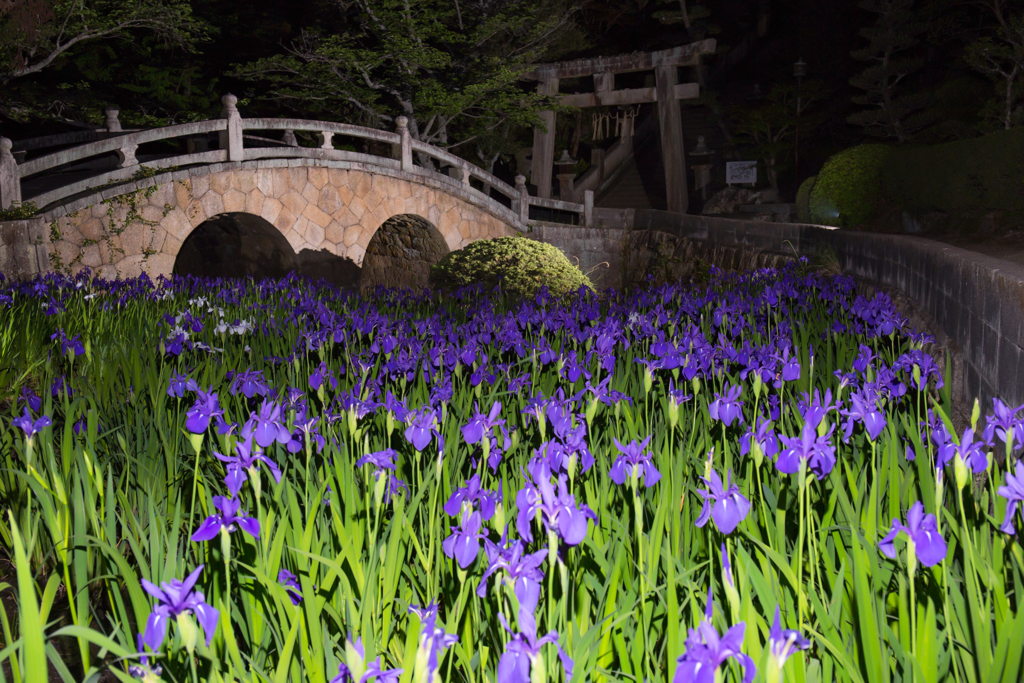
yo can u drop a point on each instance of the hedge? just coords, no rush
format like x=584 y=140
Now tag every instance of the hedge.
x=978 y=174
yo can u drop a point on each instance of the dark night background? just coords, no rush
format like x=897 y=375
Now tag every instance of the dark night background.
x=156 y=83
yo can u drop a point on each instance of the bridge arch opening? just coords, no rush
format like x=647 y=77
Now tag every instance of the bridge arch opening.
x=401 y=252
x=235 y=245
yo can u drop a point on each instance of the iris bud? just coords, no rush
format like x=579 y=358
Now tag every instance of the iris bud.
x=538 y=670
x=975 y=414
x=498 y=520
x=961 y=472
x=188 y=631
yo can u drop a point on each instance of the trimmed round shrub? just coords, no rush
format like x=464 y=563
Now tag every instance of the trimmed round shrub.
x=803 y=200
x=521 y=265
x=848 y=187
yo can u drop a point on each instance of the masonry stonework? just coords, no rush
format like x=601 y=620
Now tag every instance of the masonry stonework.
x=314 y=208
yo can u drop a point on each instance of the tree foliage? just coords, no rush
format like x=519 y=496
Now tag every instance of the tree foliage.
x=770 y=127
x=35 y=34
x=890 y=50
x=452 y=67
x=999 y=54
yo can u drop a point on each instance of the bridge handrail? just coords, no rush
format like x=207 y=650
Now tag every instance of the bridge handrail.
x=116 y=144
x=474 y=170
x=231 y=127
x=322 y=126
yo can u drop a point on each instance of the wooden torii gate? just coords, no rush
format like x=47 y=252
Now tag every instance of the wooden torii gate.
x=666 y=92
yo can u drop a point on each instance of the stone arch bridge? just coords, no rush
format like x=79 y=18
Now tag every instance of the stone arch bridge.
x=128 y=202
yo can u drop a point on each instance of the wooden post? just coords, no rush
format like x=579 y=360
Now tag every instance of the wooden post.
x=544 y=143
x=10 y=181
x=403 y=130
x=672 y=152
x=231 y=138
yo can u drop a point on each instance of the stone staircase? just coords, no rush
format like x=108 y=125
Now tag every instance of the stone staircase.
x=639 y=181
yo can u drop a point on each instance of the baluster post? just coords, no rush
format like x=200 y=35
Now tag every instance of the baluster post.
x=231 y=138
x=522 y=203
x=111 y=122
x=325 y=139
x=403 y=130
x=126 y=156
x=10 y=181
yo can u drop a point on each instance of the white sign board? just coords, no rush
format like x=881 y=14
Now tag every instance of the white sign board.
x=740 y=172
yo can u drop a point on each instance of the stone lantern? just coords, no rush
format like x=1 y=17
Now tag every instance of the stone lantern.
x=702 y=171
x=566 y=176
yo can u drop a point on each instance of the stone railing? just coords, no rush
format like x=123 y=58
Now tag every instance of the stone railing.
x=515 y=208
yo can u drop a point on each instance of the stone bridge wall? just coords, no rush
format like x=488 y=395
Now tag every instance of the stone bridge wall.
x=327 y=207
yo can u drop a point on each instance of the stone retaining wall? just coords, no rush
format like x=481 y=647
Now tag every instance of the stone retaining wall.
x=977 y=301
x=23 y=248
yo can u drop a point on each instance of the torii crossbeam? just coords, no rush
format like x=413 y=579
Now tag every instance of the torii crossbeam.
x=667 y=93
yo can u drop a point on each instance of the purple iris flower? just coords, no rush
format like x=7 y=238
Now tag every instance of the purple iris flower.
x=480 y=425
x=763 y=437
x=142 y=669
x=634 y=462
x=433 y=639
x=923 y=532
x=865 y=409
x=423 y=425
x=727 y=406
x=207 y=406
x=472 y=495
x=382 y=460
x=31 y=399
x=1014 y=493
x=864 y=358
x=725 y=504
x=464 y=543
x=268 y=426
x=179 y=384
x=706 y=650
x=1005 y=424
x=522 y=652
x=816 y=409
x=250 y=383
x=677 y=396
x=29 y=426
x=244 y=462
x=74 y=344
x=320 y=375
x=305 y=431
x=291 y=585
x=558 y=510
x=790 y=367
x=522 y=571
x=174 y=598
x=817 y=450
x=227 y=519
x=375 y=670
x=396 y=406
x=970 y=451
x=782 y=643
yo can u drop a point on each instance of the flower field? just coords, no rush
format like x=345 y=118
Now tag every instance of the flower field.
x=754 y=478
